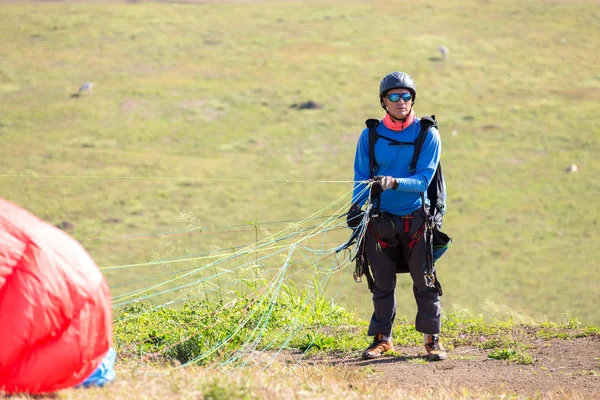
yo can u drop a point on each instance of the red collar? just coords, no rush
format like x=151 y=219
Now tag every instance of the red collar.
x=398 y=125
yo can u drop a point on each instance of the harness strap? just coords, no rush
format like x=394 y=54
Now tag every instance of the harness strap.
x=417 y=236
x=362 y=267
x=370 y=280
x=381 y=242
x=373 y=135
x=426 y=123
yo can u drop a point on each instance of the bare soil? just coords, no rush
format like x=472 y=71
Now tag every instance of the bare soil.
x=562 y=368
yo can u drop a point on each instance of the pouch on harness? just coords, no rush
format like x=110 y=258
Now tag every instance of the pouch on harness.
x=437 y=242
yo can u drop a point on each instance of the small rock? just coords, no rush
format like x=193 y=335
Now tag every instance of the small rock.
x=65 y=225
x=86 y=87
x=309 y=105
x=454 y=132
x=444 y=52
x=572 y=168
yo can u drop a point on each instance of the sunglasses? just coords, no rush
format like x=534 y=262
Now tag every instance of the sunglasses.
x=395 y=97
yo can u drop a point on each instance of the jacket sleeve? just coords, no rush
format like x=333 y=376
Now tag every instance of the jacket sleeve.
x=426 y=164
x=361 y=169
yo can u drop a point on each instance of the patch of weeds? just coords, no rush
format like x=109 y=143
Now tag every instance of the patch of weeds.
x=418 y=360
x=572 y=323
x=492 y=343
x=463 y=358
x=393 y=353
x=502 y=354
x=454 y=325
x=511 y=355
x=404 y=333
x=589 y=331
x=369 y=371
x=525 y=359
x=462 y=340
x=569 y=330
x=550 y=330
x=314 y=342
x=552 y=333
x=334 y=339
x=591 y=372
x=499 y=342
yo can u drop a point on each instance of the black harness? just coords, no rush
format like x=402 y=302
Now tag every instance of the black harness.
x=432 y=215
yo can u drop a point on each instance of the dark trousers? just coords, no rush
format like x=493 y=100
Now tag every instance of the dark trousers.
x=397 y=256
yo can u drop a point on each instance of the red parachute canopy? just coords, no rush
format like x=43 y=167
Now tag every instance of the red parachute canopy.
x=55 y=306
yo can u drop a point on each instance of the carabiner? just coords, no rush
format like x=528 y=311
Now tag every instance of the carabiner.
x=429 y=279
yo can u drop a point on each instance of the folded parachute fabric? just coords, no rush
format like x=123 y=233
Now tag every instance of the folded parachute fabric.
x=55 y=306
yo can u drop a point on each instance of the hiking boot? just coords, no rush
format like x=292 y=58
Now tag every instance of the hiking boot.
x=377 y=348
x=435 y=350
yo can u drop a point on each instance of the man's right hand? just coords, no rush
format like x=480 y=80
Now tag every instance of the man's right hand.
x=354 y=217
x=383 y=183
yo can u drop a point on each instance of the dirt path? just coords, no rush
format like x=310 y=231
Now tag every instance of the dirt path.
x=561 y=368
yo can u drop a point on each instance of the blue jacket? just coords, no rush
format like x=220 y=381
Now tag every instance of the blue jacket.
x=395 y=161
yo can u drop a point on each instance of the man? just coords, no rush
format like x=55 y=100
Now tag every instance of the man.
x=394 y=240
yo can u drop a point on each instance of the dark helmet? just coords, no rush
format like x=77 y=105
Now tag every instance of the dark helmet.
x=397 y=80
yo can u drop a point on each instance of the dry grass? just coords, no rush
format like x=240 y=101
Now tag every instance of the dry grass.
x=280 y=381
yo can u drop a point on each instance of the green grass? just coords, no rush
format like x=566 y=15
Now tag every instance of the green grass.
x=188 y=93
x=238 y=332
x=511 y=355
x=205 y=331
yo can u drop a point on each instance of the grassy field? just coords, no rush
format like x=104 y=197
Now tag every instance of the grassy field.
x=485 y=360
x=190 y=125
